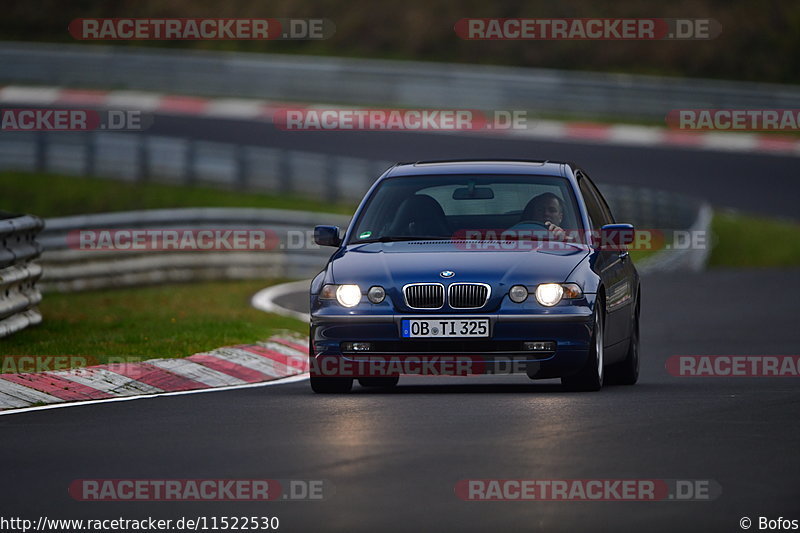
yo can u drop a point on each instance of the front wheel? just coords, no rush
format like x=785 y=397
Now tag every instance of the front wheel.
x=322 y=384
x=590 y=377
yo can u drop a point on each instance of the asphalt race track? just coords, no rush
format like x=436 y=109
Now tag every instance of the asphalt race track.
x=393 y=458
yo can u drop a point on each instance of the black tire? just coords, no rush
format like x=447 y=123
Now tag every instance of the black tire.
x=326 y=385
x=590 y=377
x=384 y=382
x=627 y=372
x=331 y=385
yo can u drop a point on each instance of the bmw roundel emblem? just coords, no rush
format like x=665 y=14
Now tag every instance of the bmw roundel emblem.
x=447 y=273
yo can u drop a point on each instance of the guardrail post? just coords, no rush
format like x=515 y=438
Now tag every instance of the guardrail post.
x=190 y=163
x=142 y=160
x=40 y=162
x=90 y=154
x=242 y=167
x=286 y=172
x=332 y=178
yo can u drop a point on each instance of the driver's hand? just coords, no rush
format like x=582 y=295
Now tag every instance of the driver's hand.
x=558 y=233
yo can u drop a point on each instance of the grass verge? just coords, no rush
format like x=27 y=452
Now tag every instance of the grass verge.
x=748 y=241
x=49 y=195
x=149 y=322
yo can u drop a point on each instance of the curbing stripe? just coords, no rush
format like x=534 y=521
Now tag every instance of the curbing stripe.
x=106 y=381
x=26 y=394
x=243 y=373
x=197 y=372
x=227 y=367
x=56 y=386
x=299 y=364
x=83 y=97
x=14 y=94
x=268 y=367
x=12 y=401
x=240 y=108
x=283 y=349
x=301 y=350
x=155 y=376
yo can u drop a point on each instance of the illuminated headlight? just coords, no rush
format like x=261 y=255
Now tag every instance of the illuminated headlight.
x=376 y=294
x=518 y=293
x=549 y=294
x=346 y=295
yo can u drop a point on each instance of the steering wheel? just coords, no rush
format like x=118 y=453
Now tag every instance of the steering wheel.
x=536 y=222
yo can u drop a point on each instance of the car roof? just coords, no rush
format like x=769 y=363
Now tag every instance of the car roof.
x=479 y=166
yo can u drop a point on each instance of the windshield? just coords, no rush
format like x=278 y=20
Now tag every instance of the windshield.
x=458 y=207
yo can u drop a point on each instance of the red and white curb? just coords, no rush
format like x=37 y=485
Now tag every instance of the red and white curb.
x=253 y=109
x=228 y=367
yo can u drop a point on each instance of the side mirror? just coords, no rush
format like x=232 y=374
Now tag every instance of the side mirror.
x=327 y=236
x=616 y=236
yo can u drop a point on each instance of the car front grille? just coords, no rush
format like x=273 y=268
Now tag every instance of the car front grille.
x=468 y=295
x=424 y=295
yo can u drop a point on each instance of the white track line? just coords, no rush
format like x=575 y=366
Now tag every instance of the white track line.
x=265 y=299
x=290 y=379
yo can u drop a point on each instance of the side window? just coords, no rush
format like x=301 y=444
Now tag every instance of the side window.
x=597 y=217
x=602 y=201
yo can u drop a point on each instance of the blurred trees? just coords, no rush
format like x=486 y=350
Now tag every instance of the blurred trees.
x=760 y=41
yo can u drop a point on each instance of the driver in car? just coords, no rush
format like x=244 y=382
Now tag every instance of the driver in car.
x=546 y=209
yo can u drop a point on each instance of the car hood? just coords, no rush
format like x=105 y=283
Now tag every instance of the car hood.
x=398 y=263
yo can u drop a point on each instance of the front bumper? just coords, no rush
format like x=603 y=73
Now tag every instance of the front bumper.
x=568 y=327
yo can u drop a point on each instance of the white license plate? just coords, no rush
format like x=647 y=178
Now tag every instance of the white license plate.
x=444 y=327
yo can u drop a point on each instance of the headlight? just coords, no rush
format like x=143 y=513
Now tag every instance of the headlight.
x=348 y=295
x=376 y=294
x=549 y=294
x=518 y=293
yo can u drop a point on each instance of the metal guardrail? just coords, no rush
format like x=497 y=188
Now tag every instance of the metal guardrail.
x=378 y=82
x=69 y=269
x=19 y=294
x=174 y=160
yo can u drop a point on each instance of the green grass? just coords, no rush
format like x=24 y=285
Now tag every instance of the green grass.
x=144 y=323
x=49 y=195
x=748 y=241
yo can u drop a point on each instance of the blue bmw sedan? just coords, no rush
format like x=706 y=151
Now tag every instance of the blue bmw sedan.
x=474 y=267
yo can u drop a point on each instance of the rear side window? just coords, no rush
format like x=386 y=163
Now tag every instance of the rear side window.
x=599 y=213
